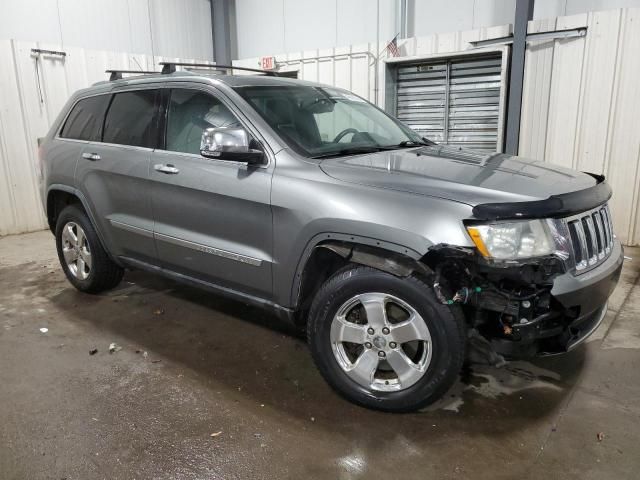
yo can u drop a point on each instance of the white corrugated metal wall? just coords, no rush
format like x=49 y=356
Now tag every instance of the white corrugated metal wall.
x=172 y=28
x=273 y=26
x=581 y=102
x=353 y=67
x=31 y=99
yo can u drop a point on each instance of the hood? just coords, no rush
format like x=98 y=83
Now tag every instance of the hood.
x=460 y=175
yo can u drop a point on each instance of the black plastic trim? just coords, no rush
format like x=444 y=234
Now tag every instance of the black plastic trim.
x=555 y=206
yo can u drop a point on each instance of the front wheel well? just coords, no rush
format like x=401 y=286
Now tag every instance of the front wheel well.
x=328 y=258
x=57 y=200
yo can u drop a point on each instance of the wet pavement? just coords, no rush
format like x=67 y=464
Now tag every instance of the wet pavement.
x=225 y=391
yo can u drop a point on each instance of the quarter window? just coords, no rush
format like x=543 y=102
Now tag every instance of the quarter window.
x=85 y=120
x=130 y=119
x=191 y=112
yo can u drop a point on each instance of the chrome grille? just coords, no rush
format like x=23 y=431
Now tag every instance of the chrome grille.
x=591 y=237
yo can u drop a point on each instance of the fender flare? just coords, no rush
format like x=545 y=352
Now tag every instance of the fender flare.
x=85 y=205
x=386 y=256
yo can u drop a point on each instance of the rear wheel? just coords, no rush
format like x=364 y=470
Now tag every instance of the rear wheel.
x=384 y=342
x=84 y=261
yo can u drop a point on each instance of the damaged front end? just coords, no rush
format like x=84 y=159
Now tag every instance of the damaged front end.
x=523 y=308
x=540 y=276
x=509 y=304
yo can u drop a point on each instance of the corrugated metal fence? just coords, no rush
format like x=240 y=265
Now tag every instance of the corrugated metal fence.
x=33 y=89
x=581 y=103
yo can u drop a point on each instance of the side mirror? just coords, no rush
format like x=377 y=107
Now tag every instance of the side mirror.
x=229 y=144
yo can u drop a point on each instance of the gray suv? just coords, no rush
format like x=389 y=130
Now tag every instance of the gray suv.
x=395 y=254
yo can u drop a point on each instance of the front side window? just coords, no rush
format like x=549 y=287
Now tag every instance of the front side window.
x=85 y=120
x=323 y=121
x=191 y=112
x=130 y=119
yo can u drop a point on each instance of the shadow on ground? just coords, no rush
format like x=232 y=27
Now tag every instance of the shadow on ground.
x=266 y=360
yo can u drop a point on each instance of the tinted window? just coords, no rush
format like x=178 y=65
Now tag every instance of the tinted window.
x=190 y=112
x=130 y=119
x=85 y=120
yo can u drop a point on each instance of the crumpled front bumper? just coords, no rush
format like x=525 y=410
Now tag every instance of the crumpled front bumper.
x=580 y=306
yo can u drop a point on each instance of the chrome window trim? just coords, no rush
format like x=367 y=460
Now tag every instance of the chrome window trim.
x=190 y=84
x=113 y=91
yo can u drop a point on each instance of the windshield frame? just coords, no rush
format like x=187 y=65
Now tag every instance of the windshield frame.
x=413 y=139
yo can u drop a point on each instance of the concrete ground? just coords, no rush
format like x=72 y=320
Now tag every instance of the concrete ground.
x=205 y=388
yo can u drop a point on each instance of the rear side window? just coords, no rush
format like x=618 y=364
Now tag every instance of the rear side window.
x=130 y=119
x=85 y=120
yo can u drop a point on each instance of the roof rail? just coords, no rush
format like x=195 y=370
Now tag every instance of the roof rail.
x=170 y=67
x=117 y=74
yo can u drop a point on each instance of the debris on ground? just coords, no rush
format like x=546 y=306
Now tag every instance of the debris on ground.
x=156 y=361
x=216 y=434
x=313 y=419
x=158 y=311
x=44 y=329
x=600 y=436
x=93 y=351
x=480 y=350
x=145 y=354
x=114 y=347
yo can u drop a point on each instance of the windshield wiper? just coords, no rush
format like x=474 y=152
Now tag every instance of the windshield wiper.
x=350 y=151
x=407 y=144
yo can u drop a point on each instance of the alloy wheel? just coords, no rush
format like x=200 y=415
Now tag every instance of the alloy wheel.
x=381 y=342
x=76 y=251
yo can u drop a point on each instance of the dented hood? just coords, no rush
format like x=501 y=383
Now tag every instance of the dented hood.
x=461 y=175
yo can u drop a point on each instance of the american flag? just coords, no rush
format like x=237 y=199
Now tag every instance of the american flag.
x=392 y=47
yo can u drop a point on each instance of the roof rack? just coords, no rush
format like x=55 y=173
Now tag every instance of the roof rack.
x=117 y=74
x=170 y=67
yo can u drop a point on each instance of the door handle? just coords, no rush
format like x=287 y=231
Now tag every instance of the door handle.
x=168 y=168
x=91 y=156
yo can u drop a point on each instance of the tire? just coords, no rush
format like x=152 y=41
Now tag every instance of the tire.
x=92 y=271
x=436 y=356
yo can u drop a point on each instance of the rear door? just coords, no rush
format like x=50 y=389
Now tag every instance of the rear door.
x=212 y=217
x=113 y=174
x=82 y=125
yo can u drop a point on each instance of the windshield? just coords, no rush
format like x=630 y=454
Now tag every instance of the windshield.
x=320 y=122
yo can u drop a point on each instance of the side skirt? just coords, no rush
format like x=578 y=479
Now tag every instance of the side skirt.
x=283 y=313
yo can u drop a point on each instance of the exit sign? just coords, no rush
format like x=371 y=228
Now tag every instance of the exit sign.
x=268 y=63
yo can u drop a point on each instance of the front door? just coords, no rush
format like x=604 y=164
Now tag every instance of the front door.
x=212 y=217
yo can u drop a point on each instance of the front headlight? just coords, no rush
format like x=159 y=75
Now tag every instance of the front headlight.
x=514 y=240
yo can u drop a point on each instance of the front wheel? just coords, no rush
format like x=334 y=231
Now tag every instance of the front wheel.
x=385 y=342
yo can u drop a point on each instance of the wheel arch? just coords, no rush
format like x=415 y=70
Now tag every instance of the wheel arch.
x=328 y=253
x=58 y=197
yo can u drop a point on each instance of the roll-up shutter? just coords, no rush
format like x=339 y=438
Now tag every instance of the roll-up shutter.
x=453 y=101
